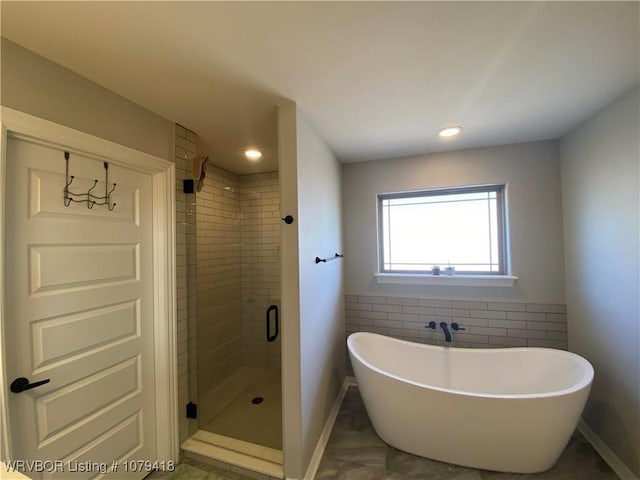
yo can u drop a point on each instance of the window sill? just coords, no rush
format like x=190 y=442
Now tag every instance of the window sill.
x=446 y=280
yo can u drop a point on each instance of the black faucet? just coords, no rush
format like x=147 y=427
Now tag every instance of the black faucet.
x=447 y=333
x=445 y=329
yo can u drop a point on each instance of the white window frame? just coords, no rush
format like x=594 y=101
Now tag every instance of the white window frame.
x=499 y=278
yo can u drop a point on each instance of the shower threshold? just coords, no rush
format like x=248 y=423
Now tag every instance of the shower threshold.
x=234 y=454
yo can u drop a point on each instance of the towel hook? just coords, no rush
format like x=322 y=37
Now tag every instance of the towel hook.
x=89 y=198
x=325 y=260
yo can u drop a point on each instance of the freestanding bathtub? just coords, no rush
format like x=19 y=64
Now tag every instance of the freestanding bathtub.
x=506 y=409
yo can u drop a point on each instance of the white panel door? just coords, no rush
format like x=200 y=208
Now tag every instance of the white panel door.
x=79 y=312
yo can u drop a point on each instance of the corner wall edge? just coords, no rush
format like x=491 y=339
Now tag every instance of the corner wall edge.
x=605 y=452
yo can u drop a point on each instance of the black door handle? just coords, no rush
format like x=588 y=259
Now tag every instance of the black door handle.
x=271 y=338
x=21 y=384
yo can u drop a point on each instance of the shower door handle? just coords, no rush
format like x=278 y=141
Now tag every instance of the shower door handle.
x=270 y=337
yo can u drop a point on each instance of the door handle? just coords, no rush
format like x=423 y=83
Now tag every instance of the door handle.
x=271 y=338
x=21 y=384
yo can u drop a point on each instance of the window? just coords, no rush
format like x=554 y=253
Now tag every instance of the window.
x=462 y=227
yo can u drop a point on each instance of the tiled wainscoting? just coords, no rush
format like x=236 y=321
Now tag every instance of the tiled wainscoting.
x=488 y=324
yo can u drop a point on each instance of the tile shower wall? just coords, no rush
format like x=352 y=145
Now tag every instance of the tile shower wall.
x=260 y=233
x=219 y=305
x=185 y=152
x=488 y=324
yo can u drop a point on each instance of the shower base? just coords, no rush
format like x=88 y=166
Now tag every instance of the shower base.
x=246 y=428
x=255 y=415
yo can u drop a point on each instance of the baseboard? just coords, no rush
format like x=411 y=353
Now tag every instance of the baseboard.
x=605 y=452
x=326 y=431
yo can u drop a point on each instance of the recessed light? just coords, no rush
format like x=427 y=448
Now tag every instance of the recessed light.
x=449 y=131
x=253 y=155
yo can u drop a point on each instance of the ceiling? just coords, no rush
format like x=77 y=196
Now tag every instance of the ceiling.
x=375 y=79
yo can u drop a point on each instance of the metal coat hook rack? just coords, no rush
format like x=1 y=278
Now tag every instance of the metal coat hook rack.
x=325 y=260
x=89 y=198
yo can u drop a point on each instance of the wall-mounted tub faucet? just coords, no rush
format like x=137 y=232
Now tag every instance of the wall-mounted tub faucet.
x=445 y=329
x=447 y=333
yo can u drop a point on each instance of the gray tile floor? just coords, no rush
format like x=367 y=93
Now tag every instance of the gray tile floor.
x=355 y=452
x=222 y=474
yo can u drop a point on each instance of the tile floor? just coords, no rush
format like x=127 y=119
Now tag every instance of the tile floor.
x=355 y=452
x=221 y=472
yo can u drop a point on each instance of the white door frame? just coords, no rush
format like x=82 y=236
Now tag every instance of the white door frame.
x=22 y=125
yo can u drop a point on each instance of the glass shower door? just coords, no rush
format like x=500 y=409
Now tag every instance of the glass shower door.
x=239 y=382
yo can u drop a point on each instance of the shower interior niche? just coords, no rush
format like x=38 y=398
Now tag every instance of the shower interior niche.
x=236 y=373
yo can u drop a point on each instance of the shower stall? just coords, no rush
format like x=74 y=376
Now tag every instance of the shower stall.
x=235 y=375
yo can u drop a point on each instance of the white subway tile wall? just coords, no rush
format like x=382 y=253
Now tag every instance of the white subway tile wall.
x=487 y=324
x=260 y=234
x=219 y=304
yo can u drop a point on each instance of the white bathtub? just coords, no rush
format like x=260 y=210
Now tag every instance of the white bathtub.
x=507 y=409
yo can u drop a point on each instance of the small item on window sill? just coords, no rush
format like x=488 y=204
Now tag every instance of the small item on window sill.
x=450 y=271
x=435 y=270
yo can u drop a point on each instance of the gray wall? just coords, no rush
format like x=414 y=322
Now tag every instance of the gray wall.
x=313 y=310
x=32 y=84
x=601 y=202
x=531 y=172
